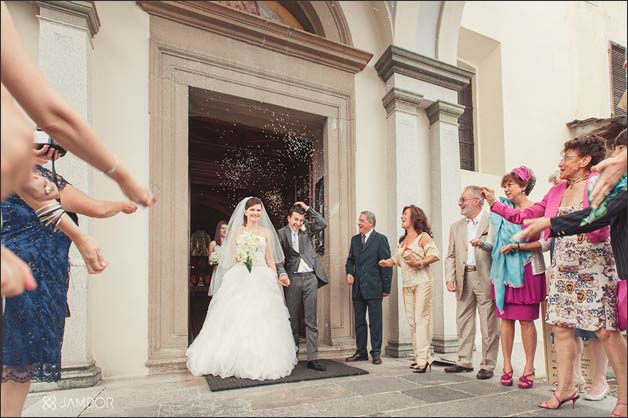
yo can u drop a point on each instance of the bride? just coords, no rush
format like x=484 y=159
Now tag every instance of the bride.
x=247 y=331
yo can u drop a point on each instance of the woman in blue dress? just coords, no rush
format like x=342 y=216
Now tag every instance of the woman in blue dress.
x=33 y=323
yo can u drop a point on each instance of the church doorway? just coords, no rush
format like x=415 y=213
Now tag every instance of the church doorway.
x=239 y=148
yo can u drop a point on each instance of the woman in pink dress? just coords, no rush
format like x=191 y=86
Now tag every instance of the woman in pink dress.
x=518 y=276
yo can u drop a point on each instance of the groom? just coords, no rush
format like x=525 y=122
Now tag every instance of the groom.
x=306 y=275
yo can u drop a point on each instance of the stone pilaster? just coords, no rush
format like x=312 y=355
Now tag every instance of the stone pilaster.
x=445 y=191
x=66 y=29
x=403 y=154
x=423 y=168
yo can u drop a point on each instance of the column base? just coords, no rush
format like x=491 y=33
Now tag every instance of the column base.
x=399 y=350
x=444 y=345
x=71 y=378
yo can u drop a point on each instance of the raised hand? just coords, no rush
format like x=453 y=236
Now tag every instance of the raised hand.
x=303 y=205
x=611 y=170
x=534 y=227
x=90 y=251
x=488 y=194
x=16 y=275
x=129 y=207
x=133 y=188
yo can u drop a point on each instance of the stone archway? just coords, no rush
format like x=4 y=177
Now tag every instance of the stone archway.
x=211 y=47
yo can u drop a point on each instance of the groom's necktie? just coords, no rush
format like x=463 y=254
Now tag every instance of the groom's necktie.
x=295 y=241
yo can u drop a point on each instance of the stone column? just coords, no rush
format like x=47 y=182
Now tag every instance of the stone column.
x=66 y=29
x=445 y=191
x=423 y=168
x=403 y=154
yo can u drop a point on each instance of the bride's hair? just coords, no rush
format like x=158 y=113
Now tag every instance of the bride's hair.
x=249 y=203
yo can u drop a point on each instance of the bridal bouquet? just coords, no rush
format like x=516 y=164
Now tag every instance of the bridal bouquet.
x=246 y=245
x=214 y=259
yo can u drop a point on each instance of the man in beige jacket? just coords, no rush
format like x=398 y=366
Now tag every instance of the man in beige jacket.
x=467 y=269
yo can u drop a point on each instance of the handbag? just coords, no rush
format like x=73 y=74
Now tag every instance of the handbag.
x=622 y=306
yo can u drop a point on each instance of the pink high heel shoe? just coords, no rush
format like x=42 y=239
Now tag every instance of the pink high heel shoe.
x=573 y=398
x=614 y=414
x=506 y=378
x=524 y=381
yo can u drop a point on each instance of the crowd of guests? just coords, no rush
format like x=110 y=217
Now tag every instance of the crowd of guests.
x=39 y=218
x=496 y=268
x=582 y=223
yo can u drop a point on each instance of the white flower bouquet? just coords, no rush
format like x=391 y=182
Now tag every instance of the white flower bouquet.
x=214 y=259
x=246 y=245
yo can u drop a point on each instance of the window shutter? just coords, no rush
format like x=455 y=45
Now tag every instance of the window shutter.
x=465 y=129
x=618 y=77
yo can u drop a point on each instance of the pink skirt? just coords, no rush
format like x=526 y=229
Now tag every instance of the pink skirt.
x=523 y=303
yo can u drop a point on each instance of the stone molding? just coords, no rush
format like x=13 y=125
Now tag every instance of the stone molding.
x=255 y=30
x=80 y=9
x=72 y=377
x=397 y=60
x=401 y=100
x=399 y=350
x=445 y=345
x=441 y=111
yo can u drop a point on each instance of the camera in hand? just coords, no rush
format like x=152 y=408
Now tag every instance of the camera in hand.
x=42 y=139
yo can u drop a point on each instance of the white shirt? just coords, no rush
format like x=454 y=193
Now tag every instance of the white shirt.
x=472 y=232
x=303 y=267
x=366 y=236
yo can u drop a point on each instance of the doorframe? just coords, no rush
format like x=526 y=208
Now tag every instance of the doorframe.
x=181 y=57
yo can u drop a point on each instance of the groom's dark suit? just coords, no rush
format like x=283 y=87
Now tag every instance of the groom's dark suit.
x=370 y=282
x=303 y=285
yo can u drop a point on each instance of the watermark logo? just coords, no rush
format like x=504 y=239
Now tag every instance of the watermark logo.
x=50 y=402
x=99 y=402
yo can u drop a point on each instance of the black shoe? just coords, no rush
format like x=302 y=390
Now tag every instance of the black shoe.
x=357 y=357
x=484 y=374
x=458 y=369
x=314 y=364
x=422 y=369
x=377 y=360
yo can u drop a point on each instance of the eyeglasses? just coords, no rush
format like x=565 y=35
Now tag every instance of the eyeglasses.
x=464 y=199
x=567 y=157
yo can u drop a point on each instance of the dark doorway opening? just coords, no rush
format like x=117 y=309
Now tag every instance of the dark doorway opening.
x=239 y=149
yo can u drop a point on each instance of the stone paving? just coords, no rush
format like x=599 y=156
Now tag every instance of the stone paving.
x=390 y=389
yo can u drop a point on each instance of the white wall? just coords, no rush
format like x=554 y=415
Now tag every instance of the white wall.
x=119 y=297
x=24 y=17
x=370 y=126
x=554 y=69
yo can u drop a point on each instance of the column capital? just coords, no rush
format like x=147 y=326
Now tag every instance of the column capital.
x=444 y=112
x=400 y=99
x=80 y=14
x=397 y=60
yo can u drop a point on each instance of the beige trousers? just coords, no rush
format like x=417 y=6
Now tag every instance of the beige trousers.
x=418 y=303
x=475 y=296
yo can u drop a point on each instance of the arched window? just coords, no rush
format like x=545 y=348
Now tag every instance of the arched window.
x=271 y=10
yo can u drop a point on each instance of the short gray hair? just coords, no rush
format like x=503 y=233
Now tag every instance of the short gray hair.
x=370 y=216
x=476 y=191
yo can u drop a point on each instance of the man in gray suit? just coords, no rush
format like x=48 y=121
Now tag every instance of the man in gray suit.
x=306 y=275
x=467 y=269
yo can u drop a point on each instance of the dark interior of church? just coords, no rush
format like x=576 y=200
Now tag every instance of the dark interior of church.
x=227 y=162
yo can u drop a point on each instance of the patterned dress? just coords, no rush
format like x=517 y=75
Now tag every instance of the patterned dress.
x=582 y=284
x=33 y=323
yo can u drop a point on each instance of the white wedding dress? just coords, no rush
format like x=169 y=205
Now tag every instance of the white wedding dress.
x=247 y=331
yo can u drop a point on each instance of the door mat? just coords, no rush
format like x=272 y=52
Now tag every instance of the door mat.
x=300 y=373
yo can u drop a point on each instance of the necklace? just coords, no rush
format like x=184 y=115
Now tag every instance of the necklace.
x=577 y=180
